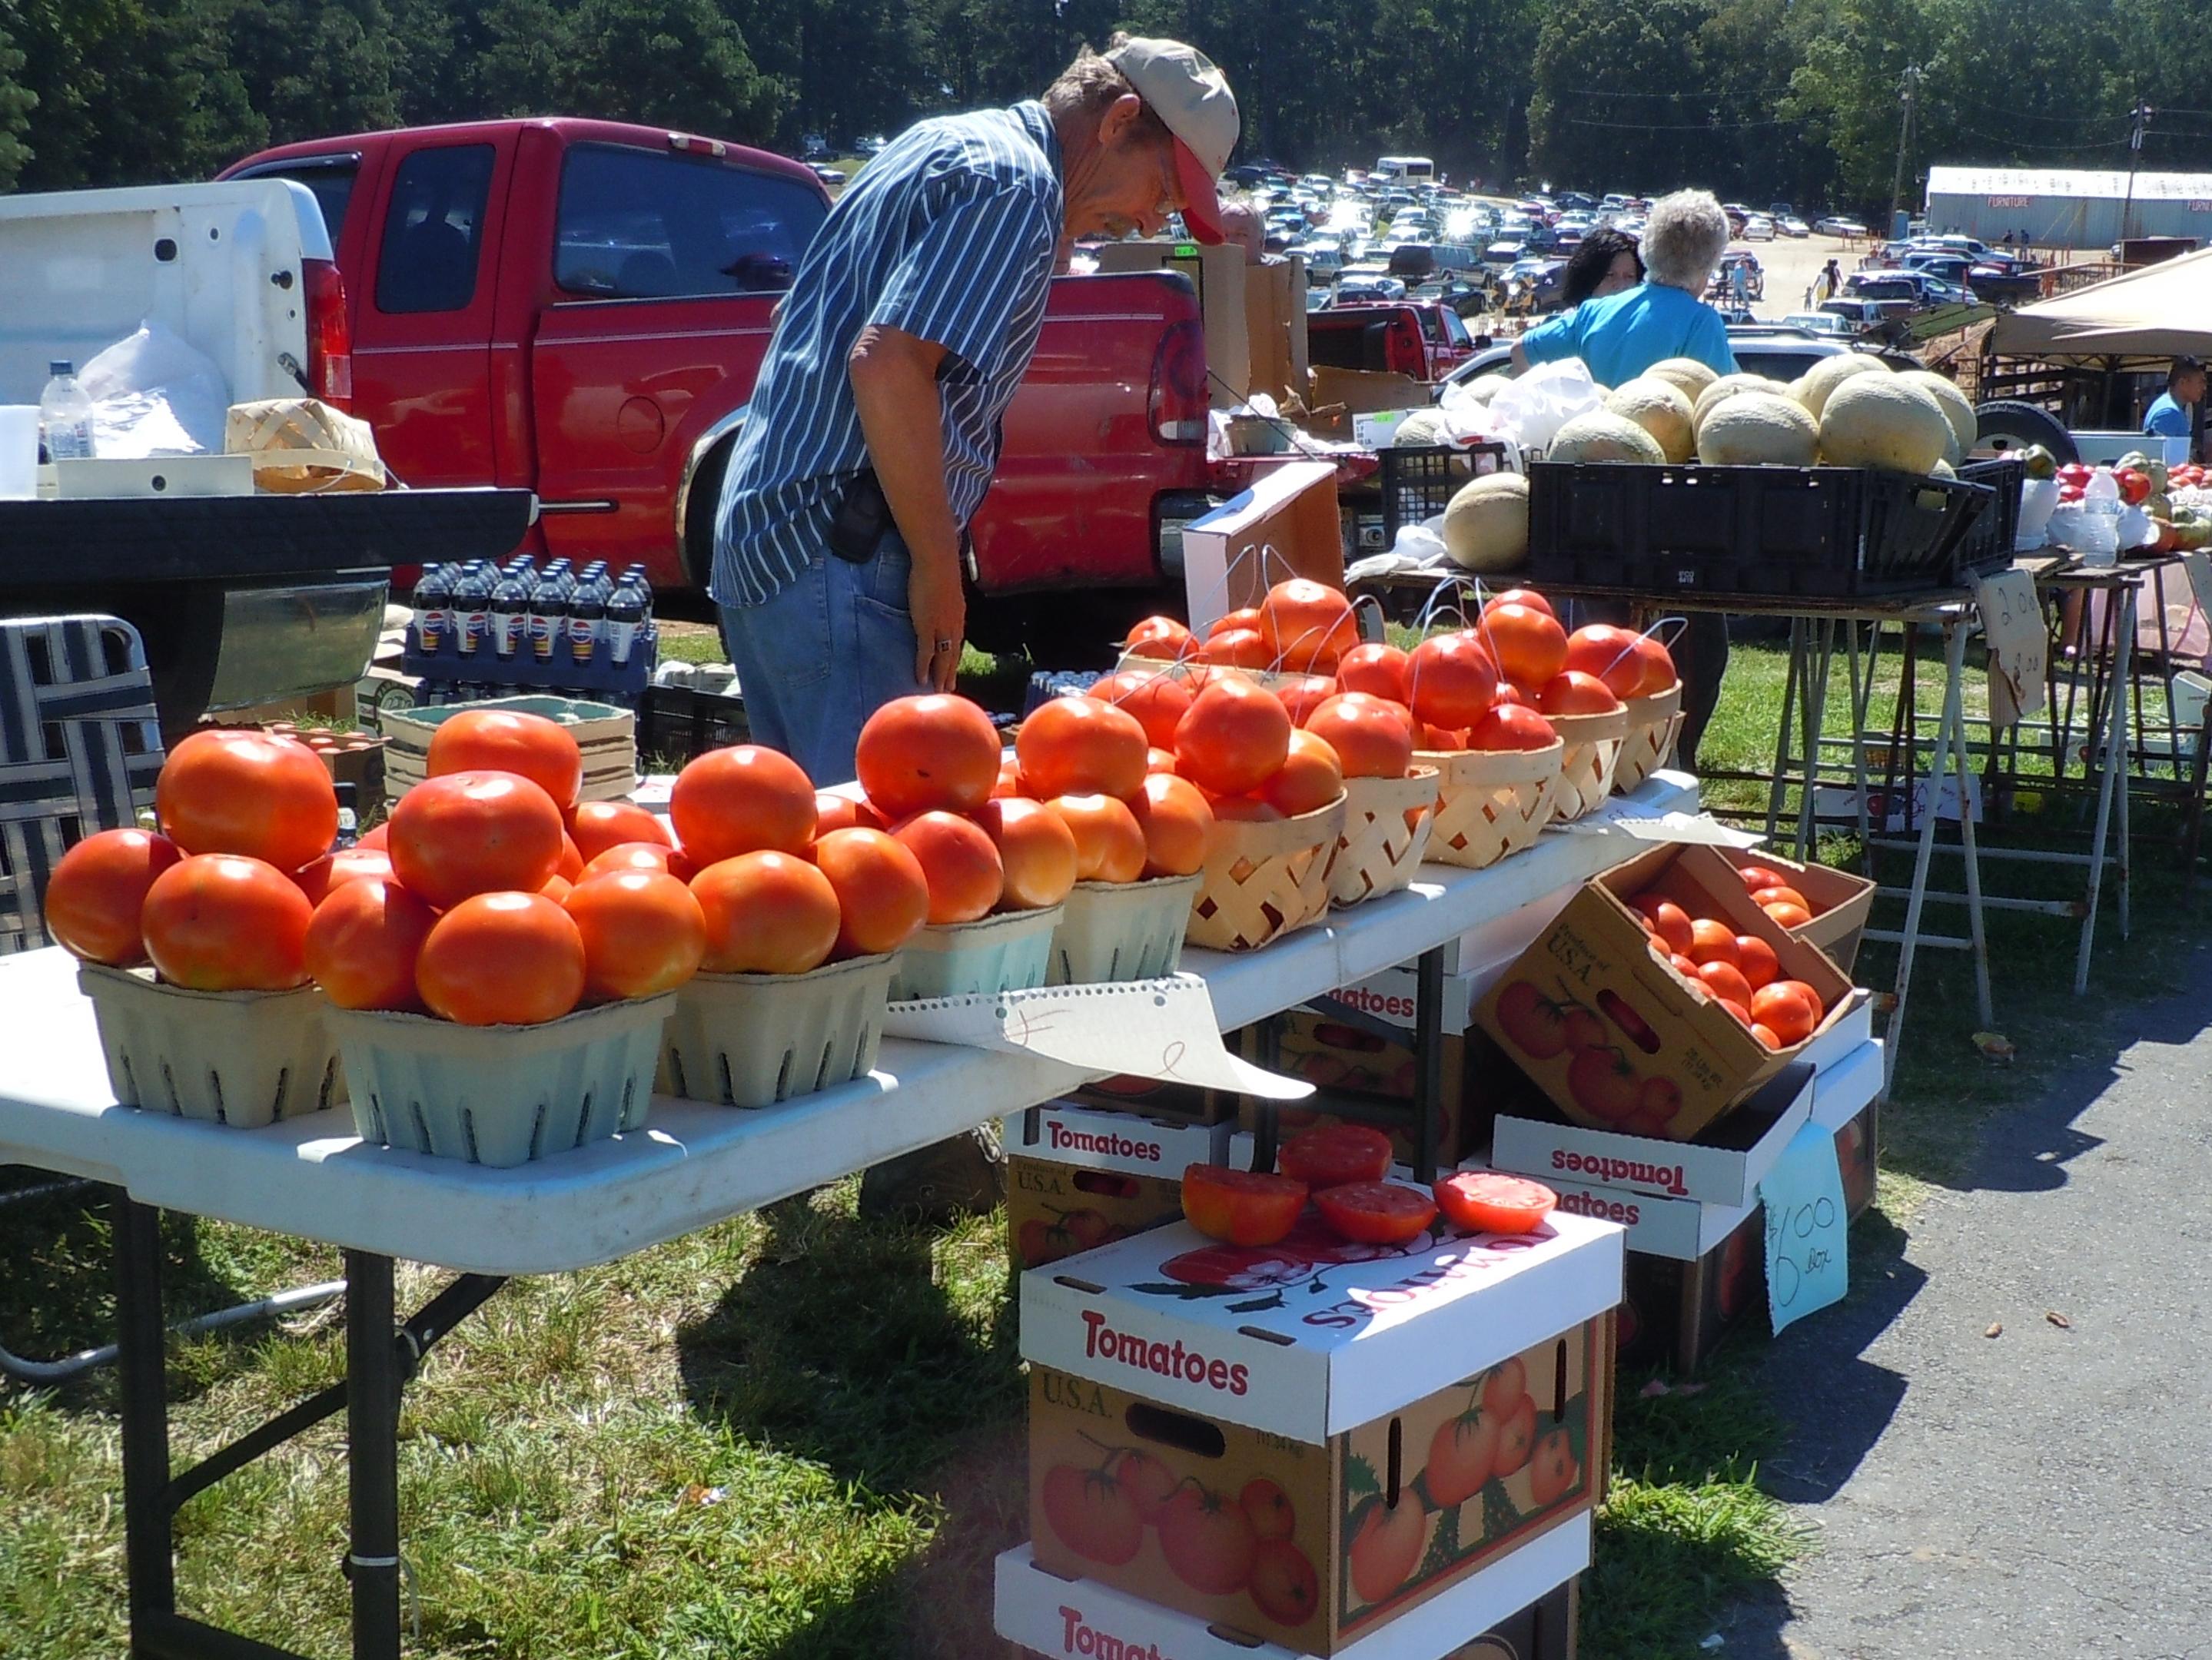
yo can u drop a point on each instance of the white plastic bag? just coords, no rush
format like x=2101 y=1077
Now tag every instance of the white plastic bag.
x=155 y=393
x=1469 y=419
x=1534 y=407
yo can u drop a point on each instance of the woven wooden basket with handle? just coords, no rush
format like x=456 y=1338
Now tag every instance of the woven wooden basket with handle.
x=1654 y=724
x=1386 y=823
x=1490 y=803
x=1593 y=753
x=301 y=446
x=1261 y=881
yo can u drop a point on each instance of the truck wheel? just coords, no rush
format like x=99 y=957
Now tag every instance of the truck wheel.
x=2006 y=424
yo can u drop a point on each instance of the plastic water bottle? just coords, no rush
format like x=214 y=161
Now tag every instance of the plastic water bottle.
x=2100 y=518
x=433 y=607
x=549 y=610
x=510 y=613
x=587 y=613
x=472 y=602
x=65 y=414
x=627 y=609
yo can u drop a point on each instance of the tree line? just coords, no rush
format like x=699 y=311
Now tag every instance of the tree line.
x=1802 y=99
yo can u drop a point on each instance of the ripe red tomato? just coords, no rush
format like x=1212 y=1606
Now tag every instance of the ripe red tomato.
x=1790 y=1009
x=1157 y=702
x=475 y=832
x=1269 y=1508
x=595 y=826
x=882 y=894
x=1109 y=843
x=1511 y=726
x=1655 y=666
x=1534 y=1024
x=1387 y=1541
x=1241 y=648
x=837 y=812
x=1208 y=1541
x=1160 y=639
x=1528 y=597
x=1603 y=1083
x=1452 y=680
x=1233 y=738
x=506 y=740
x=1766 y=1034
x=1378 y=669
x=1245 y=617
x=1782 y=895
x=1092 y=1514
x=353 y=864
x=1484 y=1201
x=629 y=856
x=1302 y=696
x=1078 y=745
x=1038 y=854
x=1756 y=877
x=961 y=862
x=644 y=933
x=1334 y=1154
x=766 y=913
x=1372 y=739
x=502 y=959
x=1178 y=822
x=1376 y=1213
x=1307 y=624
x=1462 y=1449
x=363 y=945
x=1528 y=645
x=98 y=889
x=1787 y=916
x=1725 y=980
x=247 y=793
x=1684 y=966
x=1669 y=921
x=1243 y=1207
x=1757 y=960
x=1310 y=777
x=220 y=921
x=925 y=752
x=747 y=798
x=1284 y=1588
x=1437 y=741
x=1609 y=654
x=1576 y=693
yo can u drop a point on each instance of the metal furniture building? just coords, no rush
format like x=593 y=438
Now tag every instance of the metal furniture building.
x=2068 y=208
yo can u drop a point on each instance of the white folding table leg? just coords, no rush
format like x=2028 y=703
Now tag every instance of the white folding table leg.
x=1954 y=658
x=2112 y=749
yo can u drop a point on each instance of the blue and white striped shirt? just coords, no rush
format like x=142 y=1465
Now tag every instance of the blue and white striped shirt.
x=951 y=235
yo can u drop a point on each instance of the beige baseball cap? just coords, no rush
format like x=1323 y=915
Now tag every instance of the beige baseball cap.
x=1192 y=97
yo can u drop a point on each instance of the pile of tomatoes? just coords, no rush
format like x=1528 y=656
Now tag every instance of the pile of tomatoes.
x=1343 y=1170
x=1363 y=710
x=1773 y=892
x=1740 y=971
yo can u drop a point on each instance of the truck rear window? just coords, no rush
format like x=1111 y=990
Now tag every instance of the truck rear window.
x=635 y=224
x=433 y=230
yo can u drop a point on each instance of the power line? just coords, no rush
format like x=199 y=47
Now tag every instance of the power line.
x=1688 y=126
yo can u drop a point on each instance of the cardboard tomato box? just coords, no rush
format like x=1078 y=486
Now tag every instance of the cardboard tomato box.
x=1078 y=1178
x=1611 y=1033
x=1525 y=1604
x=1156 y=1098
x=1674 y=1312
x=1352 y=1429
x=1847 y=1099
x=1841 y=901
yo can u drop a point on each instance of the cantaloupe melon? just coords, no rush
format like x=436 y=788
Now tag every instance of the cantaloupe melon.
x=1883 y=421
x=1422 y=427
x=1486 y=523
x=1686 y=372
x=1662 y=408
x=1754 y=429
x=1726 y=386
x=1953 y=402
x=1814 y=387
x=1602 y=435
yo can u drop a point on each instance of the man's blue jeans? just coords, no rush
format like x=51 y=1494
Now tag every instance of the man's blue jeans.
x=821 y=655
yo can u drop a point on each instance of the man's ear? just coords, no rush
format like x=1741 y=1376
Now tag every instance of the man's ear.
x=1120 y=115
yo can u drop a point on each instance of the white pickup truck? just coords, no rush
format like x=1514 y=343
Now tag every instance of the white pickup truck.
x=239 y=599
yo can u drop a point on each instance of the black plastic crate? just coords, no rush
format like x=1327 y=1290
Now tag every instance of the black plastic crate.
x=1419 y=481
x=1989 y=540
x=1762 y=532
x=677 y=724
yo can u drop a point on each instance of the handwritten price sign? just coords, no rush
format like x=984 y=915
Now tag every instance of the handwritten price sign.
x=1807 y=1244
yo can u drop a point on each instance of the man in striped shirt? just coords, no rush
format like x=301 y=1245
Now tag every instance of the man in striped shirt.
x=874 y=427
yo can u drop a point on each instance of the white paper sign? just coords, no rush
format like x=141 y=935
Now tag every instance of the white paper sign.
x=1693 y=828
x=1163 y=1029
x=1808 y=1232
x=2012 y=623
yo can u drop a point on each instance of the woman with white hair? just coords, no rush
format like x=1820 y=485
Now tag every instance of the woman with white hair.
x=1619 y=336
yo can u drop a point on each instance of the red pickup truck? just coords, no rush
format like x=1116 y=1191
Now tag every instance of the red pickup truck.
x=1420 y=339
x=579 y=307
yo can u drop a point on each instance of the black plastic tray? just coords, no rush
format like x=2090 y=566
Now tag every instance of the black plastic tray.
x=1768 y=532
x=1419 y=480
x=1989 y=540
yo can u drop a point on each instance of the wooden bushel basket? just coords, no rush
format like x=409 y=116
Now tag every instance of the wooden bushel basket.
x=301 y=446
x=1387 y=821
x=1490 y=803
x=1261 y=881
x=1593 y=744
x=1654 y=724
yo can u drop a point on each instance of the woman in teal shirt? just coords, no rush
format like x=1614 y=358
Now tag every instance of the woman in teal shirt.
x=1621 y=335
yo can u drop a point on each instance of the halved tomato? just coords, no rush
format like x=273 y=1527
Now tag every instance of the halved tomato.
x=1333 y=1154
x=1376 y=1213
x=1241 y=1207
x=1484 y=1201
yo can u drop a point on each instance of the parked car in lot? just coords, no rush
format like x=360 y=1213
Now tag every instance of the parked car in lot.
x=1757 y=228
x=1835 y=225
x=830 y=176
x=1823 y=324
x=579 y=307
x=1790 y=225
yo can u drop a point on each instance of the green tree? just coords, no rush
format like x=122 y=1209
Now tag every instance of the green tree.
x=17 y=101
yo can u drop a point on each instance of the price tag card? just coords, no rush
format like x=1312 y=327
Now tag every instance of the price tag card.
x=1807 y=1244
x=2019 y=645
x=1163 y=1029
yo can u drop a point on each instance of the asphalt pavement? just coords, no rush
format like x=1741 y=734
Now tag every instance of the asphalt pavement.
x=2046 y=1490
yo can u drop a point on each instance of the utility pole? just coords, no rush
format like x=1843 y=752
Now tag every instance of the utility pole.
x=1904 y=143
x=2142 y=114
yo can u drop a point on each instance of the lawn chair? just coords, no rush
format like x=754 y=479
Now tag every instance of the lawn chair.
x=80 y=748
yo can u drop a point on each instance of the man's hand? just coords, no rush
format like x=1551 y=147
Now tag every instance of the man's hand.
x=940 y=614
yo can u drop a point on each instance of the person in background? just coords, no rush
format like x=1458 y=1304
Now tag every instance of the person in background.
x=1825 y=284
x=2173 y=413
x=1618 y=339
x=1605 y=263
x=1663 y=316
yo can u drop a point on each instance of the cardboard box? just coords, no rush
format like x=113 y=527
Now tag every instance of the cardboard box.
x=1154 y=1098
x=1674 y=1313
x=1656 y=1224
x=1046 y=1613
x=1847 y=1099
x=1275 y=327
x=1339 y=395
x=1056 y=1211
x=1722 y=1167
x=1066 y=1133
x=1369 y=1527
x=1291 y=510
x=1633 y=1032
x=1841 y=901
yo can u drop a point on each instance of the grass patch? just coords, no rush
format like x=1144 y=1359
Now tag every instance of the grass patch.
x=797 y=1436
